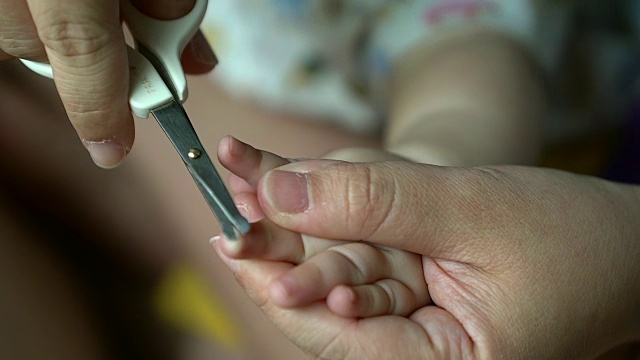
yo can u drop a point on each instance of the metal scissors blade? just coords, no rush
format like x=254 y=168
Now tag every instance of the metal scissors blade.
x=158 y=86
x=173 y=120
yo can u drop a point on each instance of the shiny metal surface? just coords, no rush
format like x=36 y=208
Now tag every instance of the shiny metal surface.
x=175 y=122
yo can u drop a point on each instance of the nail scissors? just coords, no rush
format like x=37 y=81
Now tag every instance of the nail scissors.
x=158 y=86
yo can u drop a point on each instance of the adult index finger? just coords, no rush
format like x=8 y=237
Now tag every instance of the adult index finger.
x=85 y=45
x=18 y=36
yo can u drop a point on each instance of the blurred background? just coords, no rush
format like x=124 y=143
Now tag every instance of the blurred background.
x=98 y=264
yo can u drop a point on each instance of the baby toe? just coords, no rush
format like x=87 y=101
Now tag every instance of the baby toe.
x=245 y=161
x=384 y=297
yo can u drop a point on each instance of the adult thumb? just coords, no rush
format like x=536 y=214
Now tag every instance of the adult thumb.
x=421 y=208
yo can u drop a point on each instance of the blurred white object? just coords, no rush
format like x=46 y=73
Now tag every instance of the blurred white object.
x=331 y=59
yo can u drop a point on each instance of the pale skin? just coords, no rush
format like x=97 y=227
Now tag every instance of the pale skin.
x=431 y=98
x=517 y=261
x=84 y=42
x=91 y=52
x=356 y=279
x=520 y=262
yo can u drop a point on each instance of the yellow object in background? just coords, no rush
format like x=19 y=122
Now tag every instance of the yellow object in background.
x=185 y=300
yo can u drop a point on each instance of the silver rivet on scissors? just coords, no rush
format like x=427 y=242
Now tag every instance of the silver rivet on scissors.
x=194 y=153
x=158 y=85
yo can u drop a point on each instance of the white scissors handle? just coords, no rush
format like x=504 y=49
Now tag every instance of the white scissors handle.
x=158 y=85
x=165 y=40
x=43 y=69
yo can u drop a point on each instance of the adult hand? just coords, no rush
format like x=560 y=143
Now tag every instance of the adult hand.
x=520 y=262
x=83 y=41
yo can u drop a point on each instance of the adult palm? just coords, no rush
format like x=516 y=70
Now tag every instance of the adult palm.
x=520 y=262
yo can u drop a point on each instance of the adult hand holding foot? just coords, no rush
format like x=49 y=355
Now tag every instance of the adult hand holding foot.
x=84 y=43
x=519 y=262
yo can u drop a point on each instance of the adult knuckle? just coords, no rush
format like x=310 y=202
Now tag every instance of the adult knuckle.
x=18 y=45
x=85 y=110
x=88 y=115
x=66 y=36
x=82 y=104
x=370 y=199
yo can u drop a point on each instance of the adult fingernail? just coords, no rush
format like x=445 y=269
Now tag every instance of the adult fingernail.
x=106 y=154
x=202 y=50
x=287 y=192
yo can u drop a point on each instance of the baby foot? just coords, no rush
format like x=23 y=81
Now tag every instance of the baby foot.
x=355 y=279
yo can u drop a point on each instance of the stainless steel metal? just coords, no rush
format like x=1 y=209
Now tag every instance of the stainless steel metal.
x=169 y=112
x=174 y=121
